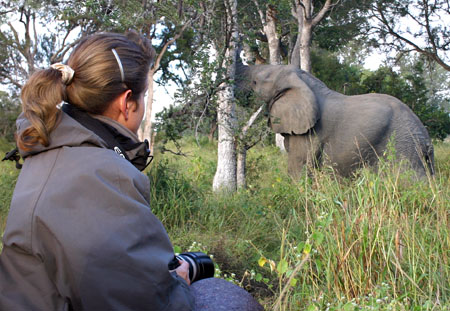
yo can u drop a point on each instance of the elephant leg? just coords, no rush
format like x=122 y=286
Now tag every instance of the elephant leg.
x=303 y=150
x=286 y=142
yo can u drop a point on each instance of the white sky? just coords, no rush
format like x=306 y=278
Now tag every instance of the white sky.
x=162 y=97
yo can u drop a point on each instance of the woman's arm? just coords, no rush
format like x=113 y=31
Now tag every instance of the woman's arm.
x=110 y=251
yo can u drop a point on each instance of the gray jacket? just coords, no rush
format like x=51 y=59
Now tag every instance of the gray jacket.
x=80 y=234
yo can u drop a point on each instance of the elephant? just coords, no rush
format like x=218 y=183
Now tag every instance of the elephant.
x=324 y=127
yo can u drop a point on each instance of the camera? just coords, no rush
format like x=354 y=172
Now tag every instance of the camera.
x=201 y=265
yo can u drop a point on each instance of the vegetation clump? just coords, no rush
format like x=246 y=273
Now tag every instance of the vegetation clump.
x=378 y=240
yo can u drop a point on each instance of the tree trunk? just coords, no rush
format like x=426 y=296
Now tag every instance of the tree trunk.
x=272 y=36
x=274 y=50
x=268 y=20
x=152 y=142
x=297 y=13
x=225 y=177
x=241 y=169
x=212 y=130
x=145 y=130
x=306 y=27
x=305 y=48
x=279 y=142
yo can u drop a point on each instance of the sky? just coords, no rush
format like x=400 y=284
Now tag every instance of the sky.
x=162 y=97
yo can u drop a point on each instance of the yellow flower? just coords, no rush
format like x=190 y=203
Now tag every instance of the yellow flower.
x=262 y=261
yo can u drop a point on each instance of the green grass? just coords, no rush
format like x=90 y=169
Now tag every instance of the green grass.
x=377 y=241
x=8 y=178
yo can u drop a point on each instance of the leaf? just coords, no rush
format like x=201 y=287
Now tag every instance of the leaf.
x=282 y=266
x=262 y=261
x=176 y=249
x=293 y=282
x=307 y=248
x=318 y=237
x=348 y=307
x=319 y=265
x=312 y=307
x=258 y=277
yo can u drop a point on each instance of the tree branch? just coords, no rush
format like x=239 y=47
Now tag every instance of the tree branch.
x=252 y=120
x=326 y=7
x=168 y=43
x=179 y=152
x=247 y=126
x=395 y=34
x=59 y=55
x=11 y=79
x=428 y=27
x=260 y=12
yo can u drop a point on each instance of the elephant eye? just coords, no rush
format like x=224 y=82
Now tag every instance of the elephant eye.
x=254 y=82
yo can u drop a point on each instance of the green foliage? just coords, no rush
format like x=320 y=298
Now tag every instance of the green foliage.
x=173 y=197
x=413 y=26
x=9 y=111
x=377 y=240
x=170 y=124
x=347 y=21
x=64 y=23
x=338 y=76
x=8 y=178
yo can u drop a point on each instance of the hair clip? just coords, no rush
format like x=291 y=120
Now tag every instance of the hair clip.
x=66 y=72
x=122 y=75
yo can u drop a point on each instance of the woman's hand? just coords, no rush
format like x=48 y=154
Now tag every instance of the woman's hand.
x=183 y=271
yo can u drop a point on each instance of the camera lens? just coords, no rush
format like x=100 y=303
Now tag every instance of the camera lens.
x=200 y=265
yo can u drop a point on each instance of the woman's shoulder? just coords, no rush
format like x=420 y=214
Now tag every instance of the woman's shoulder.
x=70 y=179
x=92 y=167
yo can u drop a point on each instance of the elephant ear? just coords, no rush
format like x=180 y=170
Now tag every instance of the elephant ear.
x=294 y=109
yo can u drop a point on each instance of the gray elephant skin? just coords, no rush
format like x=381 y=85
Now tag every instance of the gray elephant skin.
x=323 y=127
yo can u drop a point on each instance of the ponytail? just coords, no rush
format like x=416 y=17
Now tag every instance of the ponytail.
x=40 y=96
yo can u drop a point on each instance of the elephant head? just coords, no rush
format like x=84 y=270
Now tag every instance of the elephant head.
x=292 y=105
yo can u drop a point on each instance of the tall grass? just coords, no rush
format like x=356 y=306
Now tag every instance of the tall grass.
x=8 y=178
x=377 y=241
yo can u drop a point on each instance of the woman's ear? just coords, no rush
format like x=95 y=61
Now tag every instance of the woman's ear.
x=125 y=104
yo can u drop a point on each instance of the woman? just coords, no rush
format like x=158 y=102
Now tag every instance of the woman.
x=80 y=234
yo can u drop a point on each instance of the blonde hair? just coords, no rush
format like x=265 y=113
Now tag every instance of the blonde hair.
x=96 y=82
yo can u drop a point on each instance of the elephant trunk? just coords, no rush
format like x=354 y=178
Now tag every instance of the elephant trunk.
x=242 y=77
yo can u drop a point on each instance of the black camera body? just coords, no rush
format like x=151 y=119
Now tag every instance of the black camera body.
x=201 y=265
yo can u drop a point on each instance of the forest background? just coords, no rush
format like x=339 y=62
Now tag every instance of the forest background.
x=374 y=241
